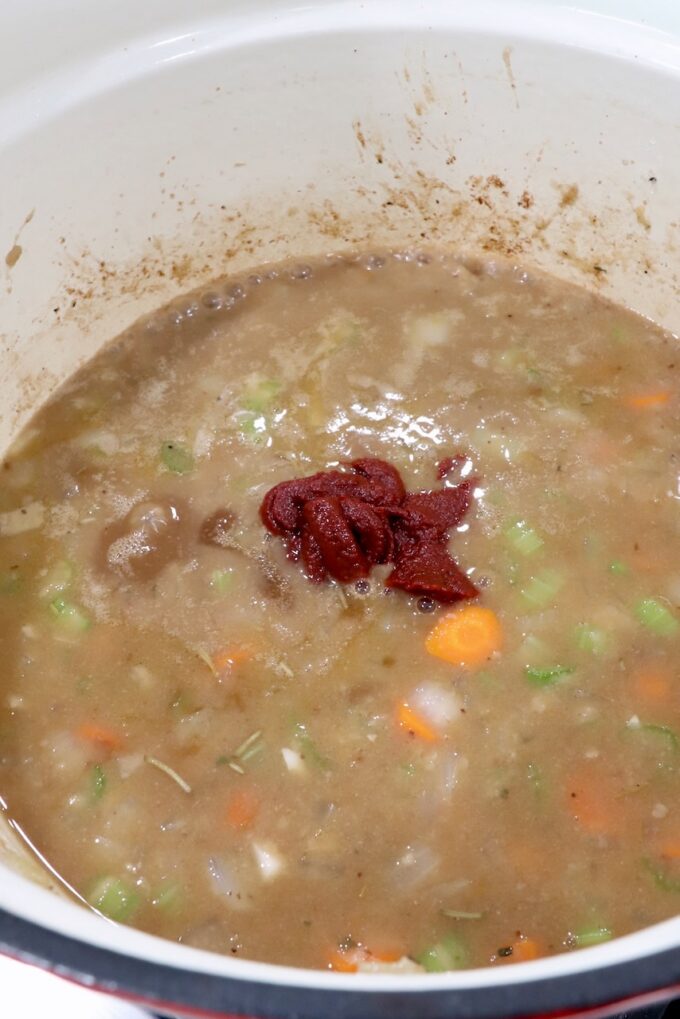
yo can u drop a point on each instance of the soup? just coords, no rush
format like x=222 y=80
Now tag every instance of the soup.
x=210 y=745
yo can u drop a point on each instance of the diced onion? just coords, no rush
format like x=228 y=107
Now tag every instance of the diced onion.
x=26 y=518
x=439 y=705
x=268 y=859
x=293 y=760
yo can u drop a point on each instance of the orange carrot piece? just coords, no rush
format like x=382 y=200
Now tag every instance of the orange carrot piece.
x=100 y=736
x=415 y=724
x=526 y=949
x=466 y=636
x=653 y=683
x=591 y=802
x=648 y=401
x=242 y=809
x=671 y=850
x=342 y=962
x=227 y=658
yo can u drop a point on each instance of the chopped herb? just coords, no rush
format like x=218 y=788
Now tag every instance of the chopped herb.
x=114 y=899
x=655 y=616
x=545 y=677
x=170 y=772
x=308 y=748
x=449 y=953
x=250 y=747
x=459 y=914
x=176 y=458
x=98 y=782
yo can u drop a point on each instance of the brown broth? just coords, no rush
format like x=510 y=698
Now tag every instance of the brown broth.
x=150 y=623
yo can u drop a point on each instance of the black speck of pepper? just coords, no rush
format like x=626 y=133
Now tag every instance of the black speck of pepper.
x=505 y=952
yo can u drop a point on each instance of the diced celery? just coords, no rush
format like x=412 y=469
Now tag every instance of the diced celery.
x=252 y=426
x=618 y=567
x=591 y=639
x=222 y=580
x=534 y=650
x=176 y=458
x=661 y=730
x=449 y=953
x=541 y=590
x=114 y=898
x=524 y=539
x=168 y=897
x=260 y=395
x=10 y=582
x=657 y=617
x=544 y=677
x=58 y=579
x=69 y=616
x=591 y=936
x=308 y=747
x=98 y=782
x=661 y=879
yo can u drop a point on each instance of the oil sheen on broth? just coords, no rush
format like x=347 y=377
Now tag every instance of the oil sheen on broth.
x=208 y=746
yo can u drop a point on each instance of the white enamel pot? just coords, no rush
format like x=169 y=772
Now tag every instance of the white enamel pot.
x=146 y=148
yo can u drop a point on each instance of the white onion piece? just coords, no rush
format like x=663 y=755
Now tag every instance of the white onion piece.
x=225 y=884
x=26 y=518
x=128 y=763
x=403 y=965
x=438 y=705
x=269 y=860
x=415 y=866
x=293 y=760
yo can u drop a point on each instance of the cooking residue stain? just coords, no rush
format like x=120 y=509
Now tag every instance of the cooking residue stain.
x=507 y=54
x=569 y=196
x=13 y=255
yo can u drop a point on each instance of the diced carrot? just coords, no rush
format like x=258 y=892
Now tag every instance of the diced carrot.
x=653 y=683
x=671 y=850
x=348 y=960
x=525 y=949
x=648 y=401
x=466 y=636
x=342 y=962
x=242 y=808
x=591 y=800
x=229 y=657
x=100 y=736
x=415 y=724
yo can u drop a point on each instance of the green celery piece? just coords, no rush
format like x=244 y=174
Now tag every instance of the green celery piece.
x=667 y=884
x=10 y=582
x=222 y=580
x=261 y=394
x=618 y=567
x=449 y=953
x=541 y=590
x=545 y=677
x=661 y=730
x=114 y=898
x=252 y=426
x=176 y=458
x=524 y=539
x=591 y=936
x=69 y=616
x=98 y=782
x=592 y=639
x=168 y=897
x=656 y=617
x=58 y=579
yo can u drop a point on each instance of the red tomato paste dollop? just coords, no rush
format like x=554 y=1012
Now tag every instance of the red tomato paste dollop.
x=342 y=523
